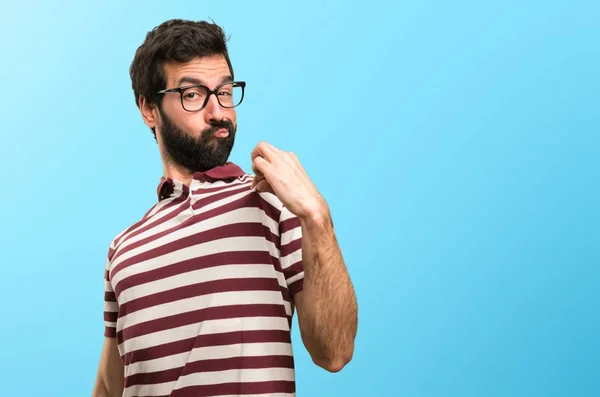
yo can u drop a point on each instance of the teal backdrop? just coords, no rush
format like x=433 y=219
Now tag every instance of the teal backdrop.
x=457 y=144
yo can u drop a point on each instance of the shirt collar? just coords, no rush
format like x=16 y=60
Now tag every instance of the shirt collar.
x=227 y=171
x=169 y=187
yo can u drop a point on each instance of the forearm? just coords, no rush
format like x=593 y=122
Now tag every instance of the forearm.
x=328 y=319
x=102 y=390
x=110 y=377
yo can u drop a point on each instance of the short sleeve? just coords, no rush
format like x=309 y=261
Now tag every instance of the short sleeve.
x=111 y=306
x=290 y=232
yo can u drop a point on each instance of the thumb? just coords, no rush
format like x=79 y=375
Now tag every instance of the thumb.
x=264 y=186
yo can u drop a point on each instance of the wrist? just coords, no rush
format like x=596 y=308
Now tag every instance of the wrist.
x=316 y=215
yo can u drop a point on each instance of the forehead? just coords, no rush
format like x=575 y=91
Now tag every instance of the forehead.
x=210 y=70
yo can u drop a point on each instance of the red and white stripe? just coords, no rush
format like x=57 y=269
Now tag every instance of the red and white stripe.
x=198 y=293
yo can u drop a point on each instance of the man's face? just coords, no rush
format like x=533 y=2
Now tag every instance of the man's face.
x=197 y=141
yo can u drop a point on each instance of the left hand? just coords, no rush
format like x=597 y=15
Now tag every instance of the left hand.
x=281 y=173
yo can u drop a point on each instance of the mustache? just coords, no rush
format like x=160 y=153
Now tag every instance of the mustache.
x=216 y=126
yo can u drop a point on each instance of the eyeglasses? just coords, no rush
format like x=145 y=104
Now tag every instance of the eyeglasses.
x=195 y=97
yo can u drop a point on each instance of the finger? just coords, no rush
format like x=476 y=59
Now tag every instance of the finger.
x=288 y=158
x=294 y=158
x=264 y=186
x=298 y=164
x=265 y=150
x=256 y=171
x=272 y=148
x=255 y=181
x=291 y=159
x=258 y=174
x=261 y=166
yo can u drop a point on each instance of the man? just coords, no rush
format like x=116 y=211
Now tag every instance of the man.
x=200 y=293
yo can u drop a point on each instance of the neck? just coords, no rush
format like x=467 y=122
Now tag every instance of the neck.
x=176 y=172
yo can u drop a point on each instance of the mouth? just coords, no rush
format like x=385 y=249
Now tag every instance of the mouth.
x=222 y=133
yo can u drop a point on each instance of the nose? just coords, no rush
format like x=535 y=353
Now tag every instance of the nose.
x=213 y=110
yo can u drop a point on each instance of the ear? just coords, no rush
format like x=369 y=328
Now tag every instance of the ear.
x=149 y=112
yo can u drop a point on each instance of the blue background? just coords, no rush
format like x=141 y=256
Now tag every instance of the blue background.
x=457 y=144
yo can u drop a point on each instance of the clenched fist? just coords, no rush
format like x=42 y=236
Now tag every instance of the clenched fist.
x=282 y=174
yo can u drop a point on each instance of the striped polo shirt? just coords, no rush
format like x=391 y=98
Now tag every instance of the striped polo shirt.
x=199 y=292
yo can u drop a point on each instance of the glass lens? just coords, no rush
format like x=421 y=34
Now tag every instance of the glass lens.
x=229 y=95
x=193 y=98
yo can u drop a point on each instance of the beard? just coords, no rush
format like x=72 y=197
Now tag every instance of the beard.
x=197 y=154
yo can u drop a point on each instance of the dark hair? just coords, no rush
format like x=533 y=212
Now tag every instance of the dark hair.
x=175 y=40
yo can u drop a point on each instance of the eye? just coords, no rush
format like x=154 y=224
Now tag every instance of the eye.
x=194 y=94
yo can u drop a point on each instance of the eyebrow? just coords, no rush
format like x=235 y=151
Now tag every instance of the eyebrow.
x=195 y=81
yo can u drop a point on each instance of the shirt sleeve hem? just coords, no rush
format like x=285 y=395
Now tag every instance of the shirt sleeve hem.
x=296 y=287
x=110 y=332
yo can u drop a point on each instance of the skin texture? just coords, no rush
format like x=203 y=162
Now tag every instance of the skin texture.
x=109 y=380
x=327 y=308
x=211 y=71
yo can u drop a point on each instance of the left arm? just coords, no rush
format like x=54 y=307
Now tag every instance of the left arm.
x=327 y=307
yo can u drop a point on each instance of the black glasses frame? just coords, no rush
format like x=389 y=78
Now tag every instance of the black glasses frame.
x=210 y=92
